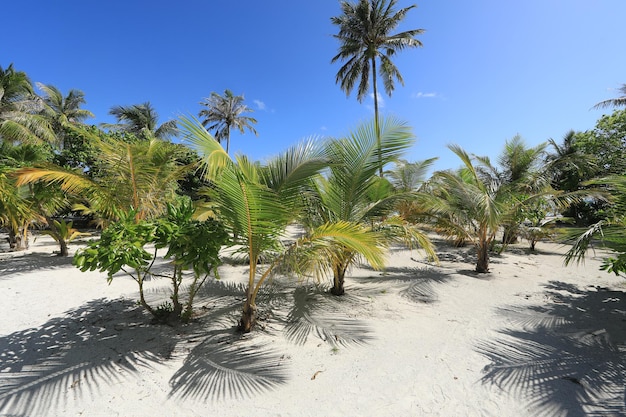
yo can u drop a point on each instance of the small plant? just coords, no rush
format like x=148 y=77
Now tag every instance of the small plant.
x=191 y=245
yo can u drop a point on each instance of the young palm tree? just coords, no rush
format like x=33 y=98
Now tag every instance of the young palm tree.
x=610 y=231
x=521 y=173
x=365 y=40
x=141 y=120
x=225 y=112
x=256 y=203
x=19 y=110
x=467 y=205
x=614 y=102
x=141 y=176
x=353 y=194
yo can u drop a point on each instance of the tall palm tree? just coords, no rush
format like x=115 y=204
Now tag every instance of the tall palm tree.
x=614 y=102
x=20 y=118
x=365 y=39
x=141 y=120
x=225 y=112
x=352 y=193
x=63 y=112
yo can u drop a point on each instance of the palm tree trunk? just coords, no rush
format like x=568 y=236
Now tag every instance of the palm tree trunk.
x=338 y=280
x=248 y=315
x=482 y=253
x=376 y=121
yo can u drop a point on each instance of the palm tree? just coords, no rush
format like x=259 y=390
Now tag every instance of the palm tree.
x=257 y=202
x=225 y=112
x=141 y=176
x=467 y=205
x=63 y=112
x=365 y=39
x=142 y=121
x=521 y=174
x=19 y=110
x=613 y=102
x=610 y=231
x=353 y=194
x=408 y=177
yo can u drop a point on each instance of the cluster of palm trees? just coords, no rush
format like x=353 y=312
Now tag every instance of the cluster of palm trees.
x=354 y=196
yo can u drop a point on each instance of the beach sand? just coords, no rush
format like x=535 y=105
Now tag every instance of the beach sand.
x=531 y=338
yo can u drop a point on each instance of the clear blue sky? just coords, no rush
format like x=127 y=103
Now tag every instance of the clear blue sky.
x=489 y=69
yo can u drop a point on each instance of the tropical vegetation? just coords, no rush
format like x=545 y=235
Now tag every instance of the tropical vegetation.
x=353 y=198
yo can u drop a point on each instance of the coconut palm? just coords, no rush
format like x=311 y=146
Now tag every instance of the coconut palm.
x=20 y=118
x=34 y=203
x=467 y=204
x=521 y=174
x=257 y=202
x=408 y=177
x=141 y=176
x=365 y=40
x=63 y=112
x=610 y=231
x=222 y=113
x=353 y=193
x=141 y=120
x=613 y=102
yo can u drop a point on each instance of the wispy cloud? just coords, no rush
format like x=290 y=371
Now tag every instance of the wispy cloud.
x=381 y=102
x=259 y=104
x=424 y=95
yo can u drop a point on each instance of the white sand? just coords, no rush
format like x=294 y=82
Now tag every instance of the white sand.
x=532 y=338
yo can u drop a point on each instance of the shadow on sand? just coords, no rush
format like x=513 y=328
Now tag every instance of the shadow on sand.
x=71 y=356
x=103 y=342
x=317 y=313
x=25 y=263
x=567 y=357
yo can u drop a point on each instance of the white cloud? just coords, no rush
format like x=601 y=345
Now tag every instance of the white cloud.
x=259 y=104
x=381 y=100
x=424 y=95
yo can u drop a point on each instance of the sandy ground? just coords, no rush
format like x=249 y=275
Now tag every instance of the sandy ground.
x=532 y=338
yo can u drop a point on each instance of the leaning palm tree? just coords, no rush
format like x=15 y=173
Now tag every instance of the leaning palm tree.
x=20 y=118
x=354 y=194
x=222 y=113
x=614 y=102
x=365 y=39
x=141 y=120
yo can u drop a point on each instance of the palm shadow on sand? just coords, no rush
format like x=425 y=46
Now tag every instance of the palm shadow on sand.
x=567 y=357
x=418 y=284
x=70 y=356
x=317 y=313
x=25 y=263
x=103 y=342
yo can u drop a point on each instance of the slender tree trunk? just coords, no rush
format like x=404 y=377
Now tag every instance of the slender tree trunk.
x=510 y=235
x=142 y=299
x=376 y=121
x=176 y=281
x=482 y=252
x=338 y=281
x=248 y=315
